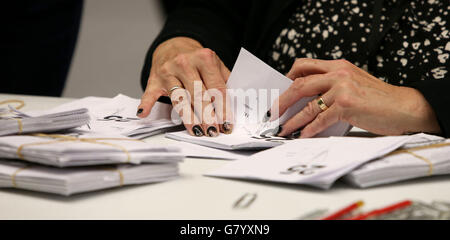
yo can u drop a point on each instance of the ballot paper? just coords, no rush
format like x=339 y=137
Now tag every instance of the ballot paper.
x=16 y=122
x=85 y=148
x=68 y=181
x=199 y=151
x=118 y=115
x=317 y=162
x=423 y=158
x=261 y=85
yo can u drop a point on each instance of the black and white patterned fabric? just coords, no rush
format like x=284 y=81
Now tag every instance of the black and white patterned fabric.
x=416 y=46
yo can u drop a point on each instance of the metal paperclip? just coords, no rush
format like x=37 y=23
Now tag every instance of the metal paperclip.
x=245 y=201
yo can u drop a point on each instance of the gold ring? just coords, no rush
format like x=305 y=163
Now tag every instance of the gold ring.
x=173 y=89
x=322 y=104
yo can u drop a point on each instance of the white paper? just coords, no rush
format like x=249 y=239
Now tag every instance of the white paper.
x=404 y=166
x=317 y=162
x=68 y=181
x=251 y=74
x=118 y=115
x=92 y=149
x=20 y=122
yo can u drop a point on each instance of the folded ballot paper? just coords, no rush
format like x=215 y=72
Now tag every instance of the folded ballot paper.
x=318 y=162
x=68 y=181
x=118 y=115
x=260 y=85
x=85 y=148
x=18 y=122
x=414 y=160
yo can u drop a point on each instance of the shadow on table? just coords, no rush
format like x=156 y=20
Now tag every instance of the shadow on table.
x=75 y=197
x=337 y=187
x=341 y=185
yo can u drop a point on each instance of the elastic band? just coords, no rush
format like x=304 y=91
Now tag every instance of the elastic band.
x=121 y=177
x=13 y=176
x=19 y=125
x=20 y=102
x=64 y=138
x=410 y=151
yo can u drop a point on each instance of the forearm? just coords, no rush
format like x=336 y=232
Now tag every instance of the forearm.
x=437 y=95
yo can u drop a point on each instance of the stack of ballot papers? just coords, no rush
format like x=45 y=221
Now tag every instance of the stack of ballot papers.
x=83 y=161
x=414 y=160
x=118 y=115
x=319 y=162
x=67 y=181
x=84 y=149
x=20 y=122
x=251 y=75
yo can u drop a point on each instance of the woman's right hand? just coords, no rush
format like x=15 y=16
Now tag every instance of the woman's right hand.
x=199 y=78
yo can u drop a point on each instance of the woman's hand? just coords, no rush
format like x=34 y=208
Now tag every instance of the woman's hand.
x=354 y=96
x=183 y=69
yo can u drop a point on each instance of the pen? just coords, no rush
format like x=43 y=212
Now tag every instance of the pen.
x=344 y=211
x=382 y=211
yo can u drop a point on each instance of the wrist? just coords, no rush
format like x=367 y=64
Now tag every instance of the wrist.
x=173 y=46
x=422 y=115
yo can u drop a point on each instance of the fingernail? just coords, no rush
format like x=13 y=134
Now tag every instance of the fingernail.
x=198 y=131
x=212 y=131
x=280 y=128
x=296 y=134
x=227 y=127
x=139 y=111
x=267 y=116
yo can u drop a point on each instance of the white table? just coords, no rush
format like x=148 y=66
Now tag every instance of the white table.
x=194 y=196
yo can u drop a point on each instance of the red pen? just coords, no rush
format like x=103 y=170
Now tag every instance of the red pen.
x=382 y=211
x=344 y=211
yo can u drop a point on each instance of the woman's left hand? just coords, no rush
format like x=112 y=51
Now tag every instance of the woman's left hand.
x=354 y=96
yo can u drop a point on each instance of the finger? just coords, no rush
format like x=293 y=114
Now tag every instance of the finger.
x=307 y=66
x=323 y=121
x=182 y=105
x=306 y=115
x=149 y=98
x=213 y=79
x=188 y=74
x=302 y=87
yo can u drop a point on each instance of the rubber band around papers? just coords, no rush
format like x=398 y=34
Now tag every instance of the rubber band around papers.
x=65 y=138
x=19 y=125
x=121 y=176
x=13 y=176
x=411 y=152
x=20 y=102
x=21 y=105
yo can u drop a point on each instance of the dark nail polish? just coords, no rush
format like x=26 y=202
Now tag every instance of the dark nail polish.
x=267 y=116
x=139 y=111
x=212 y=131
x=227 y=127
x=280 y=128
x=198 y=131
x=296 y=134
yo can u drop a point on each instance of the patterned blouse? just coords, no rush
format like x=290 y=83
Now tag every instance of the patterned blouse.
x=396 y=41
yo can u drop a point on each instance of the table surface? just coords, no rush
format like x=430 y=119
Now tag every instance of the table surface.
x=194 y=196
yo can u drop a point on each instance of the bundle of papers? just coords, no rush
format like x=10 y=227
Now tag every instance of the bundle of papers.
x=317 y=162
x=83 y=149
x=58 y=120
x=67 y=181
x=118 y=115
x=414 y=160
x=260 y=83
